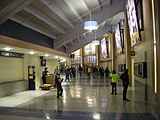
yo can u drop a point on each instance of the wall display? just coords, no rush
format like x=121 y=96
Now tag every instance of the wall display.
x=121 y=67
x=132 y=21
x=118 y=39
x=104 y=48
x=43 y=62
x=122 y=38
x=75 y=62
x=140 y=69
x=139 y=9
x=90 y=59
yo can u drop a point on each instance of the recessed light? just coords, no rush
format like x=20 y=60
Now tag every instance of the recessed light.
x=7 y=48
x=56 y=57
x=46 y=55
x=31 y=52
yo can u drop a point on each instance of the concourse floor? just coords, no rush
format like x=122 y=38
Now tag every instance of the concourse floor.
x=83 y=99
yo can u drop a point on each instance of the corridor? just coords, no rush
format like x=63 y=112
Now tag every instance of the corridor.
x=83 y=99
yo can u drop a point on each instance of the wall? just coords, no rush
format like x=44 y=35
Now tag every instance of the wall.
x=11 y=76
x=51 y=64
x=11 y=69
x=14 y=73
x=31 y=60
x=143 y=51
x=120 y=60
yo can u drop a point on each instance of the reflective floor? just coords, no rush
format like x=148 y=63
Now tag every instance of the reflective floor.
x=83 y=99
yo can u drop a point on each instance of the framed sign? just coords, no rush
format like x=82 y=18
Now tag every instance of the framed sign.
x=140 y=69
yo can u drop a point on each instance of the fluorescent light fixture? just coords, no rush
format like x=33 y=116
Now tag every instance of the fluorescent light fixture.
x=7 y=48
x=95 y=42
x=90 y=25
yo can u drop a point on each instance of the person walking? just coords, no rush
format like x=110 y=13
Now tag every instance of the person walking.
x=125 y=79
x=58 y=82
x=107 y=72
x=80 y=70
x=114 y=81
x=89 y=72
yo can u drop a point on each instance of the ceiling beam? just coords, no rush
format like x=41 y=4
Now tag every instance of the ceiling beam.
x=33 y=26
x=87 y=39
x=99 y=4
x=44 y=18
x=58 y=12
x=73 y=9
x=65 y=46
x=86 y=4
x=11 y=11
x=107 y=12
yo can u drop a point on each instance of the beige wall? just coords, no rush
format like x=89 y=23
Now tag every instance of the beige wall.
x=51 y=64
x=93 y=51
x=144 y=50
x=31 y=60
x=11 y=69
x=121 y=59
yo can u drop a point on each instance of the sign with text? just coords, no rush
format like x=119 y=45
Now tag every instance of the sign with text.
x=11 y=54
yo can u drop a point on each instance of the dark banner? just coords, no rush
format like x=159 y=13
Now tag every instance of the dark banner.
x=11 y=54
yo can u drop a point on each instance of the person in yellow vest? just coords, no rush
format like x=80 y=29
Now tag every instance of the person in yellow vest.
x=89 y=72
x=114 y=81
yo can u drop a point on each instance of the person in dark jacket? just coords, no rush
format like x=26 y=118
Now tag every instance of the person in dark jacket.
x=125 y=79
x=44 y=74
x=107 y=72
x=58 y=82
x=80 y=70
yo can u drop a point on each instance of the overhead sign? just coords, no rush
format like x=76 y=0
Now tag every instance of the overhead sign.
x=11 y=54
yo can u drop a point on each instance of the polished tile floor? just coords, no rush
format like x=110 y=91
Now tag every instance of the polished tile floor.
x=83 y=99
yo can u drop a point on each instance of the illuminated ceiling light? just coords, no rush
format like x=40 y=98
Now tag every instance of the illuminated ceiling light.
x=31 y=52
x=95 y=42
x=46 y=55
x=7 y=48
x=90 y=25
x=56 y=57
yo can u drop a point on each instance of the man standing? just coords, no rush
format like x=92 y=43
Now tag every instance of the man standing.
x=58 y=82
x=114 y=82
x=125 y=79
x=107 y=72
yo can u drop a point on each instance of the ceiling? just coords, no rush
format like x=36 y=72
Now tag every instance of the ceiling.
x=62 y=20
x=25 y=51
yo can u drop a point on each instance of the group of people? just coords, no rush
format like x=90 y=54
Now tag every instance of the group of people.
x=95 y=71
x=114 y=80
x=69 y=72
